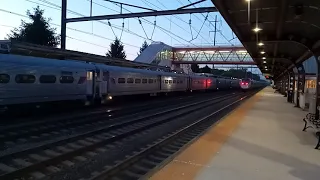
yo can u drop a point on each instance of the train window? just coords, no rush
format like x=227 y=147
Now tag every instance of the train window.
x=144 y=81
x=138 y=81
x=4 y=78
x=121 y=80
x=25 y=78
x=150 y=81
x=66 y=79
x=166 y=81
x=47 y=79
x=174 y=81
x=170 y=81
x=130 y=80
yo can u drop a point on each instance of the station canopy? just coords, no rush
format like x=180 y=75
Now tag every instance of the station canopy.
x=276 y=33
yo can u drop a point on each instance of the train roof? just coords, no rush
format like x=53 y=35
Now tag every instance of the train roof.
x=37 y=61
x=126 y=69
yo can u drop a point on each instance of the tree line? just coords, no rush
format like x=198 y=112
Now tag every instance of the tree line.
x=236 y=73
x=38 y=31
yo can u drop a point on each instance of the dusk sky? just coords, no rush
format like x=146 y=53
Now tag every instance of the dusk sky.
x=95 y=37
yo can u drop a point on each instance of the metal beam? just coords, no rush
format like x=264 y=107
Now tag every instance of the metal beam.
x=279 y=28
x=215 y=62
x=130 y=5
x=143 y=14
x=197 y=2
x=209 y=48
x=234 y=66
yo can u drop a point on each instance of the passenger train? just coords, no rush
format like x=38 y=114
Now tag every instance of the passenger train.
x=247 y=83
x=26 y=79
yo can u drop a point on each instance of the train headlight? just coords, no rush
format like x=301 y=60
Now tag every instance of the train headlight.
x=109 y=97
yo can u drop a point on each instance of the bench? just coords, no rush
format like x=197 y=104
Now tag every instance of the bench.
x=311 y=122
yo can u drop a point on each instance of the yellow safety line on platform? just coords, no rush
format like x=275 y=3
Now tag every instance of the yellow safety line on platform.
x=189 y=162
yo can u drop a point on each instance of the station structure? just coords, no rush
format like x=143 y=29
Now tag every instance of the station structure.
x=279 y=36
x=181 y=58
x=266 y=137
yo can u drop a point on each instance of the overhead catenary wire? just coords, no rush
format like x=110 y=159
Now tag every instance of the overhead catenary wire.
x=73 y=29
x=162 y=29
x=73 y=38
x=143 y=28
x=202 y=26
x=112 y=25
x=209 y=22
x=190 y=29
x=57 y=7
x=177 y=17
x=112 y=30
x=154 y=26
x=126 y=30
x=122 y=29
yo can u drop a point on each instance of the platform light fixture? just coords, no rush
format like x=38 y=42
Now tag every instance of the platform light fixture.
x=257 y=29
x=264 y=61
x=260 y=44
x=264 y=58
x=262 y=52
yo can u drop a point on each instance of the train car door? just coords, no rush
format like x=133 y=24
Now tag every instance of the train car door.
x=104 y=83
x=90 y=83
x=97 y=83
x=160 y=82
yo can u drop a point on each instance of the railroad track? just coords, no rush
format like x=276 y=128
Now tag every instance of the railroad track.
x=144 y=163
x=22 y=135
x=18 y=137
x=49 y=158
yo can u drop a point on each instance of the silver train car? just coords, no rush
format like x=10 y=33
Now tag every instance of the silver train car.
x=26 y=80
x=247 y=84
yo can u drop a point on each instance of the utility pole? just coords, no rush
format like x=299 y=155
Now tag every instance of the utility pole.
x=63 y=23
x=215 y=31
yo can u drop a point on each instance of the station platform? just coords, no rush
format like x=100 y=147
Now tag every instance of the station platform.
x=260 y=140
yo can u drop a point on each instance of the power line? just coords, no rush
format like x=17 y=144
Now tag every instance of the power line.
x=183 y=20
x=145 y=2
x=210 y=23
x=162 y=29
x=57 y=7
x=73 y=38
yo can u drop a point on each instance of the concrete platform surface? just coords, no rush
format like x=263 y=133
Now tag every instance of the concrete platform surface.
x=260 y=140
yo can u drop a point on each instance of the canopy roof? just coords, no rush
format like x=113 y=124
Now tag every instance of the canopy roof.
x=290 y=30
